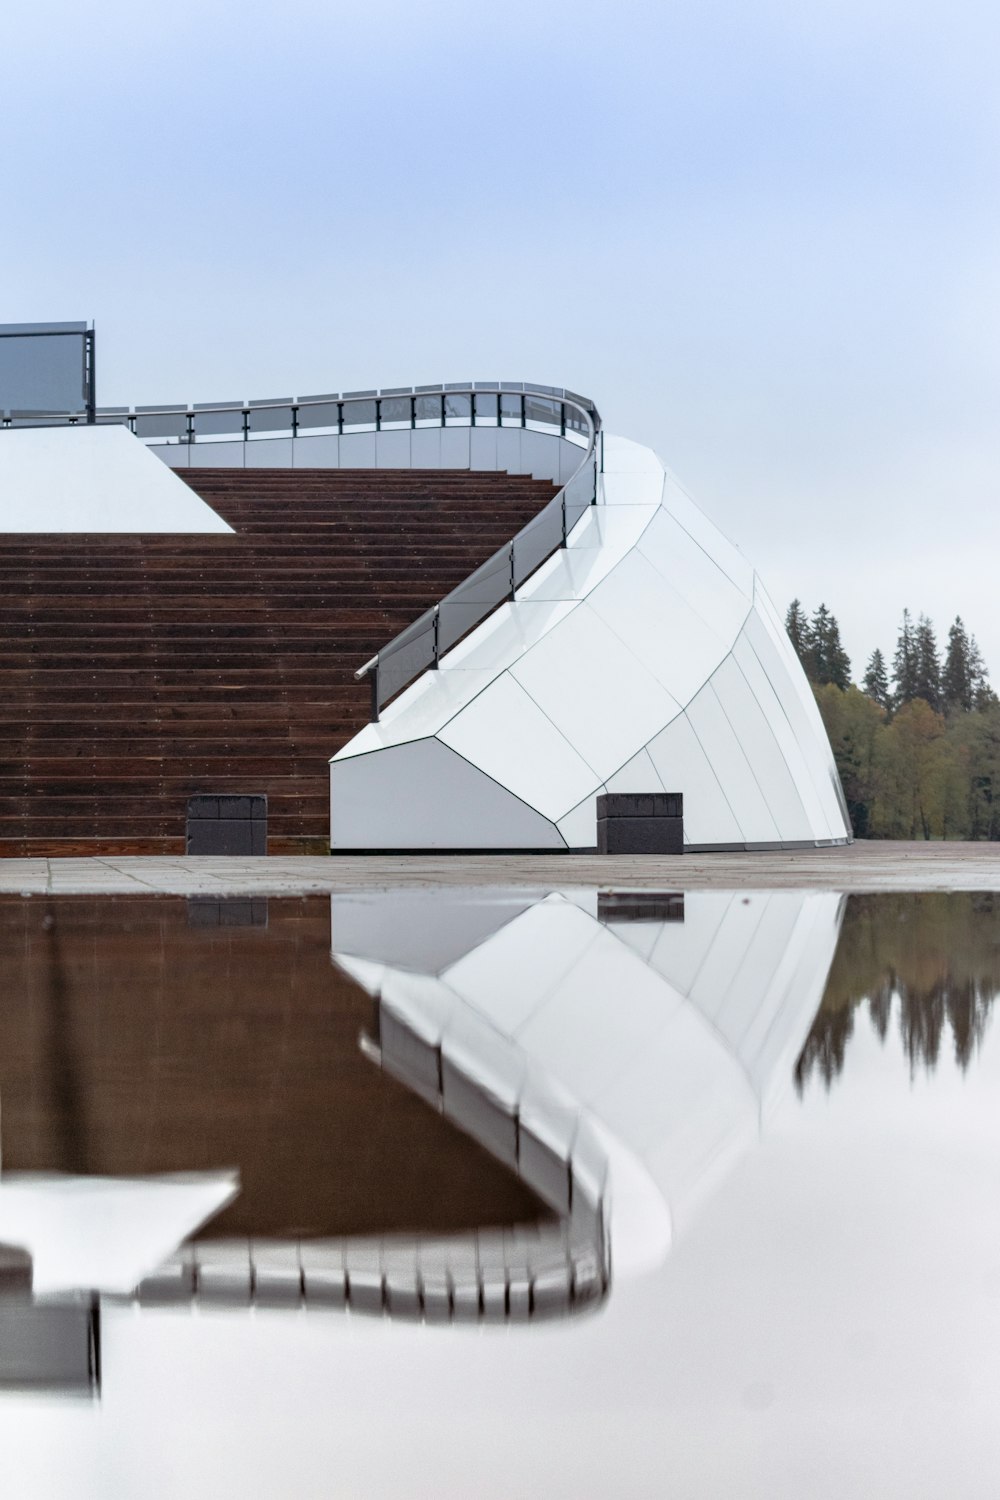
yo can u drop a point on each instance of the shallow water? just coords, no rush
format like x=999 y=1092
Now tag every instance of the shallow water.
x=775 y=1119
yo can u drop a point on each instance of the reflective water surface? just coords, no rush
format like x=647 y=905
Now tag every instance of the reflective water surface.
x=438 y=1193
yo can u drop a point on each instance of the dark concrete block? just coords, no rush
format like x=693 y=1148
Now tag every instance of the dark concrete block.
x=219 y=824
x=640 y=805
x=640 y=836
x=202 y=807
x=640 y=906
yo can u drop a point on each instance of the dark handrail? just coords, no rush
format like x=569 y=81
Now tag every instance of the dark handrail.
x=420 y=646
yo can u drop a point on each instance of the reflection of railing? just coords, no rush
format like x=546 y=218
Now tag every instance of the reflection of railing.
x=421 y=645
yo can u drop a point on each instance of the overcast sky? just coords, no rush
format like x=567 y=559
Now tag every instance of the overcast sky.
x=762 y=237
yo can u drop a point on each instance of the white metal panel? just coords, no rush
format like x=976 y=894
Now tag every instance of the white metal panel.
x=623 y=456
x=508 y=441
x=636 y=775
x=662 y=631
x=268 y=453
x=683 y=766
x=597 y=544
x=217 y=455
x=175 y=455
x=483 y=448
x=579 y=827
x=732 y=1000
x=802 y=715
x=357 y=450
x=699 y=580
x=506 y=634
x=424 y=707
x=598 y=1018
x=592 y=687
x=93 y=479
x=633 y=489
x=763 y=752
x=680 y=947
x=724 y=752
x=793 y=752
x=425 y=448
x=392 y=449
x=694 y=520
x=508 y=976
x=320 y=452
x=454 y=447
x=727 y=952
x=510 y=737
x=422 y=795
x=540 y=455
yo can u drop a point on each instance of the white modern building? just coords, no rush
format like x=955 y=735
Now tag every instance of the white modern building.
x=617 y=643
x=643 y=655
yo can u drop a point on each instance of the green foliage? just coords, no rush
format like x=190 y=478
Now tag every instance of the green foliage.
x=919 y=759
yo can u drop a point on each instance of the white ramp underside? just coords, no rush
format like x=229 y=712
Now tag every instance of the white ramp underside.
x=90 y=480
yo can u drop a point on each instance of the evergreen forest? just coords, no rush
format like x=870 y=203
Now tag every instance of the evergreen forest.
x=917 y=743
x=927 y=965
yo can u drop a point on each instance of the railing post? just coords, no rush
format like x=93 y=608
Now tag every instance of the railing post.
x=512 y=573
x=437 y=620
x=373 y=680
x=564 y=532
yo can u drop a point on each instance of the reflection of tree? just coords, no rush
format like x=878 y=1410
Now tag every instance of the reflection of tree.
x=934 y=960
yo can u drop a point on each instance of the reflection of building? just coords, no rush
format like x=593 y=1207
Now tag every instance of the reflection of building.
x=209 y=1111
x=541 y=612
x=642 y=1055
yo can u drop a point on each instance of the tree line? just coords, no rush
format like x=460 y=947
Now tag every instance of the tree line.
x=918 y=745
x=932 y=962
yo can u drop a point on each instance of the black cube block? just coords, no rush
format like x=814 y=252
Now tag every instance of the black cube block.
x=640 y=823
x=218 y=824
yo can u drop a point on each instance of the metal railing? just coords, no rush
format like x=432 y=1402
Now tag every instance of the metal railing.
x=473 y=404
x=420 y=646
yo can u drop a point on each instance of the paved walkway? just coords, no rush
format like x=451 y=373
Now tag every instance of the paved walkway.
x=859 y=867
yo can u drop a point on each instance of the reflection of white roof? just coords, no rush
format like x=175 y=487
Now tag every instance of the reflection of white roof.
x=660 y=1043
x=104 y=1233
x=644 y=656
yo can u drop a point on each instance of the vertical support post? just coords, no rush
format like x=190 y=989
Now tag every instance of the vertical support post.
x=91 y=345
x=373 y=681
x=512 y=574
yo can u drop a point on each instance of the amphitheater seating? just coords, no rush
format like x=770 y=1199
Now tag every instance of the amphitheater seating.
x=136 y=671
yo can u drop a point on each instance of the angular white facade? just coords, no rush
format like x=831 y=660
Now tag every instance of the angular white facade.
x=644 y=656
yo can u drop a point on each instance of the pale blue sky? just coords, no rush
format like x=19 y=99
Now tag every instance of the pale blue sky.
x=763 y=238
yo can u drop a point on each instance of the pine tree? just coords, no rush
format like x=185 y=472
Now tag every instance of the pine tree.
x=983 y=696
x=798 y=629
x=904 y=665
x=928 y=664
x=876 y=683
x=957 y=686
x=826 y=660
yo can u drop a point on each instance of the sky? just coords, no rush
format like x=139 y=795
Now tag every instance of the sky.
x=761 y=237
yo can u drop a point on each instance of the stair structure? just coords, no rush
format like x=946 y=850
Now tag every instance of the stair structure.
x=136 y=671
